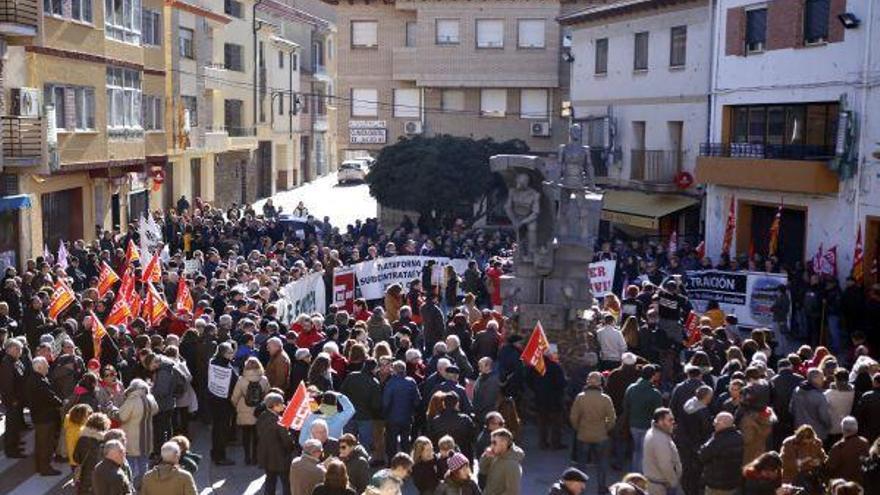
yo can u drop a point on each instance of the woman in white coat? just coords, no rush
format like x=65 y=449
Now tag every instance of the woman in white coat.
x=136 y=415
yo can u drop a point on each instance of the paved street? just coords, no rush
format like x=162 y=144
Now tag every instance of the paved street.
x=17 y=476
x=342 y=203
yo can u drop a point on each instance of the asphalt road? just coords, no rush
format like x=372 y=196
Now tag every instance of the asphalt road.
x=324 y=197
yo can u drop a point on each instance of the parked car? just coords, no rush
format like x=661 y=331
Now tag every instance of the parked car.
x=351 y=171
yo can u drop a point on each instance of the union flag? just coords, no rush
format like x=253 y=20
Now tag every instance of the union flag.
x=98 y=333
x=131 y=253
x=120 y=313
x=106 y=279
x=858 y=269
x=297 y=410
x=155 y=308
x=184 y=303
x=731 y=227
x=153 y=270
x=774 y=233
x=533 y=353
x=62 y=298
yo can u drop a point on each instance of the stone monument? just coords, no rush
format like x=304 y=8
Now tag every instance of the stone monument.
x=556 y=223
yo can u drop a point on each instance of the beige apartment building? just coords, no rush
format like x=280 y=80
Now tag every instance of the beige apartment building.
x=468 y=68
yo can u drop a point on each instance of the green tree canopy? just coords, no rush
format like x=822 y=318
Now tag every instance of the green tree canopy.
x=435 y=173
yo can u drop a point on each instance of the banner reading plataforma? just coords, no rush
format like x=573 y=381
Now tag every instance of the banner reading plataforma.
x=306 y=295
x=748 y=295
x=374 y=276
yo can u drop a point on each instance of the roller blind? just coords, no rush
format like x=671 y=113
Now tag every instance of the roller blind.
x=493 y=102
x=533 y=104
x=406 y=103
x=364 y=102
x=531 y=33
x=363 y=33
x=490 y=33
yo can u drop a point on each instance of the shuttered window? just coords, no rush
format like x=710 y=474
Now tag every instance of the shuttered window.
x=406 y=103
x=232 y=57
x=640 y=58
x=493 y=102
x=678 y=46
x=533 y=104
x=602 y=56
x=364 y=103
x=756 y=29
x=530 y=33
x=490 y=33
x=816 y=21
x=364 y=34
x=447 y=31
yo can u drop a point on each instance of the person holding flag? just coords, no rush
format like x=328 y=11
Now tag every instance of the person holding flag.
x=547 y=380
x=277 y=442
x=107 y=279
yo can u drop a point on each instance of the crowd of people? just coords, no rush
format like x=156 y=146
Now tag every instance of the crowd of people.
x=426 y=384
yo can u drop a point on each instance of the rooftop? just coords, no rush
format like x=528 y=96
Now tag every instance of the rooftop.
x=616 y=8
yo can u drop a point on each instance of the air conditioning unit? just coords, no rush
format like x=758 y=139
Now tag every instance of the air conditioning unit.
x=541 y=129
x=25 y=102
x=412 y=127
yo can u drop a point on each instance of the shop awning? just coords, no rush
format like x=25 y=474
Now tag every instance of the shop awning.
x=640 y=209
x=16 y=202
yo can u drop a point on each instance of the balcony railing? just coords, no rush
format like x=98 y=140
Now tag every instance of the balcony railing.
x=22 y=137
x=241 y=131
x=767 y=151
x=655 y=166
x=21 y=12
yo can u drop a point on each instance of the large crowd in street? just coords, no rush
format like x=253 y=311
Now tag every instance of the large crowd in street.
x=425 y=386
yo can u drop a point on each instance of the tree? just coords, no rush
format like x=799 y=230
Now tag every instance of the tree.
x=435 y=174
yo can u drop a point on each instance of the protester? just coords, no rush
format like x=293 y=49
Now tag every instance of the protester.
x=501 y=463
x=167 y=477
x=661 y=463
x=593 y=417
x=136 y=418
x=109 y=476
x=248 y=393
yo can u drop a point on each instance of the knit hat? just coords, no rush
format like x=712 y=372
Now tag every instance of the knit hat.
x=457 y=461
x=574 y=474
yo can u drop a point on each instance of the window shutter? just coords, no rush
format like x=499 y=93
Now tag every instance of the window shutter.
x=364 y=103
x=69 y=108
x=835 y=28
x=363 y=33
x=735 y=33
x=785 y=24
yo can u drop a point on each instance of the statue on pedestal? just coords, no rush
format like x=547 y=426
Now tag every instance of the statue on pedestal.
x=523 y=207
x=574 y=158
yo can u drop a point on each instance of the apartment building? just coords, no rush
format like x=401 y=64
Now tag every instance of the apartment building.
x=640 y=88
x=791 y=126
x=449 y=67
x=76 y=79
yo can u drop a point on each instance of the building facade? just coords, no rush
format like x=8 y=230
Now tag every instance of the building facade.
x=475 y=69
x=792 y=128
x=639 y=87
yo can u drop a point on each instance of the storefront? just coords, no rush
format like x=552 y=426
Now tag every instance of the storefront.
x=639 y=215
x=62 y=214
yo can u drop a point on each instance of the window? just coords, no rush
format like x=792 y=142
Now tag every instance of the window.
x=280 y=59
x=533 y=104
x=232 y=117
x=530 y=33
x=453 y=100
x=294 y=62
x=364 y=103
x=83 y=106
x=122 y=20
x=786 y=131
x=152 y=113
x=640 y=57
x=364 y=34
x=411 y=33
x=185 y=43
x=281 y=104
x=53 y=7
x=233 y=8
x=601 y=56
x=490 y=33
x=80 y=10
x=407 y=103
x=123 y=99
x=756 y=30
x=317 y=56
x=493 y=102
x=816 y=21
x=152 y=28
x=191 y=107
x=447 y=31
x=678 y=46
x=232 y=57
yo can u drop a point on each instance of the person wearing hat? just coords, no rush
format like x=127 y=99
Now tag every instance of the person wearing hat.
x=572 y=482
x=458 y=479
x=449 y=384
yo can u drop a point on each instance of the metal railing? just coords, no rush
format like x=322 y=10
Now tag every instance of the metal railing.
x=655 y=166
x=22 y=136
x=241 y=131
x=22 y=12
x=768 y=151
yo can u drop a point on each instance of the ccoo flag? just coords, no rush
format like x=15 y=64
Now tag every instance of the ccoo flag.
x=533 y=353
x=297 y=410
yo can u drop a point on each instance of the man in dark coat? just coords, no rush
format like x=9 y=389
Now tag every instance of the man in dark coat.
x=45 y=408
x=433 y=322
x=12 y=393
x=692 y=430
x=455 y=424
x=365 y=392
x=781 y=389
x=685 y=390
x=276 y=445
x=549 y=390
x=222 y=378
x=110 y=476
x=867 y=412
x=721 y=456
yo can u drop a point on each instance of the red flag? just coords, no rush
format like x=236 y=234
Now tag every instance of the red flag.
x=858 y=269
x=533 y=353
x=62 y=298
x=774 y=233
x=106 y=279
x=297 y=410
x=120 y=313
x=131 y=253
x=135 y=302
x=184 y=303
x=829 y=265
x=153 y=270
x=156 y=308
x=731 y=227
x=98 y=333
x=701 y=250
x=692 y=328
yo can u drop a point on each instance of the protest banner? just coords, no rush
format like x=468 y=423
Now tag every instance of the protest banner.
x=306 y=295
x=374 y=276
x=748 y=295
x=343 y=288
x=602 y=277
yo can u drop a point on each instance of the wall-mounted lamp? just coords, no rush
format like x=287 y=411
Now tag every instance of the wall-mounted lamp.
x=849 y=20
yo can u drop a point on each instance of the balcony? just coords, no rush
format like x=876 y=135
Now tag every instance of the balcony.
x=215 y=75
x=241 y=138
x=216 y=140
x=655 y=170
x=18 y=17
x=791 y=168
x=22 y=141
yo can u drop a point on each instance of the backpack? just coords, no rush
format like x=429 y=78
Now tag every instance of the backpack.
x=253 y=396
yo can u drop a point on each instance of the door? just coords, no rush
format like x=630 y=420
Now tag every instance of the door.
x=304 y=158
x=264 y=169
x=62 y=216
x=115 y=212
x=137 y=204
x=168 y=186
x=792 y=233
x=195 y=166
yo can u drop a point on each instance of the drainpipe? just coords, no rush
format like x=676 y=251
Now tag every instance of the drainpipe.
x=866 y=93
x=291 y=100
x=256 y=25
